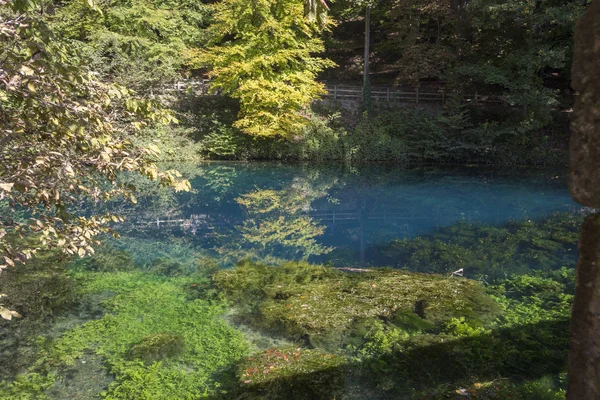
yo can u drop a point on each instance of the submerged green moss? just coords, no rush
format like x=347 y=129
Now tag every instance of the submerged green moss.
x=131 y=338
x=380 y=334
x=157 y=347
x=300 y=299
x=292 y=373
x=487 y=250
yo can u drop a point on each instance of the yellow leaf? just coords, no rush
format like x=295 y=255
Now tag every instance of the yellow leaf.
x=31 y=87
x=27 y=71
x=5 y=313
x=154 y=148
x=7 y=187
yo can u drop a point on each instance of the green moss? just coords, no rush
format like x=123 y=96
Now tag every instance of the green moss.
x=528 y=299
x=298 y=299
x=168 y=267
x=485 y=250
x=157 y=347
x=292 y=373
x=107 y=259
x=41 y=291
x=27 y=386
x=131 y=337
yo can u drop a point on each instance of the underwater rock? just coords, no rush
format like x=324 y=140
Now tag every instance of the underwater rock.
x=292 y=373
x=157 y=347
x=298 y=300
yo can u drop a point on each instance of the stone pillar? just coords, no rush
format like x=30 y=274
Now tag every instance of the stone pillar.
x=584 y=185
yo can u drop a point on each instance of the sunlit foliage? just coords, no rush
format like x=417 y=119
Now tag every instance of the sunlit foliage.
x=62 y=137
x=264 y=56
x=140 y=44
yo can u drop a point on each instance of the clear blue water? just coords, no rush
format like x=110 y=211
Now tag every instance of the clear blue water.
x=333 y=214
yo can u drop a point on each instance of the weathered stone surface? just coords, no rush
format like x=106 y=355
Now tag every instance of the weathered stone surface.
x=584 y=179
x=584 y=354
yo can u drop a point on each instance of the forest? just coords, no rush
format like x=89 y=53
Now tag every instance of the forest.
x=287 y=199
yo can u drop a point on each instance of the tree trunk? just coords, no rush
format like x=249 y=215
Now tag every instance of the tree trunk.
x=367 y=45
x=366 y=81
x=584 y=185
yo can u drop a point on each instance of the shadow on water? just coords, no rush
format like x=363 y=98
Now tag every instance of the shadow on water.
x=522 y=353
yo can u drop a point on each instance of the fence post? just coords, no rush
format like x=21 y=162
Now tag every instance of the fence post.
x=443 y=98
x=417 y=95
x=335 y=92
x=388 y=94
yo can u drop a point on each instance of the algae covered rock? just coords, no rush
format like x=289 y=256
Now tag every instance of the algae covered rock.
x=157 y=347
x=301 y=300
x=292 y=373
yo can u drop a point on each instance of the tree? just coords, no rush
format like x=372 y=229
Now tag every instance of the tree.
x=264 y=57
x=140 y=44
x=584 y=185
x=62 y=140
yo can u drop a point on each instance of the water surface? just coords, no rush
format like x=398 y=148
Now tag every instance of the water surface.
x=337 y=215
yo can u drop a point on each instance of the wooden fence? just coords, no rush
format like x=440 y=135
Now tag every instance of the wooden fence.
x=403 y=94
x=389 y=94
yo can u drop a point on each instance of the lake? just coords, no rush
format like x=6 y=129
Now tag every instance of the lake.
x=338 y=215
x=226 y=291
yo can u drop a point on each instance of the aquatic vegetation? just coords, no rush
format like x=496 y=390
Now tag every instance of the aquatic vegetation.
x=486 y=250
x=146 y=317
x=40 y=291
x=107 y=259
x=157 y=347
x=131 y=337
x=527 y=341
x=291 y=373
x=300 y=300
x=541 y=296
x=145 y=250
x=168 y=267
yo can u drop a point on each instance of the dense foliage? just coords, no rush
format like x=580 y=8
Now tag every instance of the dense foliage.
x=142 y=45
x=266 y=61
x=62 y=137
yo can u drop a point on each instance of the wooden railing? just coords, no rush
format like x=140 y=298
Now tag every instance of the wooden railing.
x=196 y=86
x=403 y=94
x=389 y=94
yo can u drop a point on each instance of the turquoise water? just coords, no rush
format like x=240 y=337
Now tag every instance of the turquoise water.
x=337 y=215
x=159 y=313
